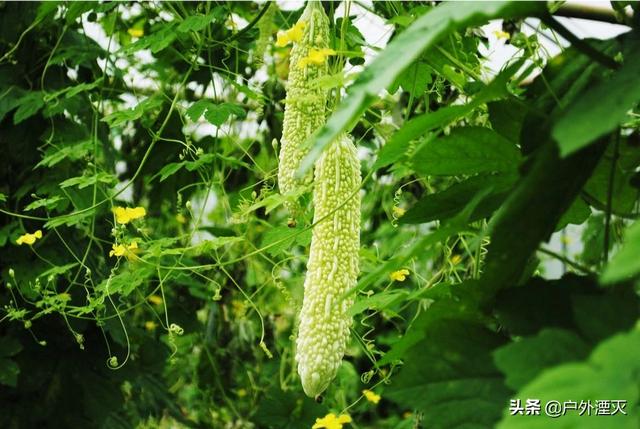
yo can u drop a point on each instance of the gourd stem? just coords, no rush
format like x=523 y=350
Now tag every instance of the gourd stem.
x=580 y=44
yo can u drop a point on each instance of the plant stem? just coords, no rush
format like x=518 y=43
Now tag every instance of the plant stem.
x=590 y=12
x=580 y=44
x=612 y=176
x=567 y=261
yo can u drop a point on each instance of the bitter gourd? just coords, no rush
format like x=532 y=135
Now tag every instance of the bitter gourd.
x=305 y=103
x=332 y=268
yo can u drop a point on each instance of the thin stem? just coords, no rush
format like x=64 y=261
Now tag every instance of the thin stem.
x=612 y=177
x=567 y=261
x=580 y=44
x=250 y=25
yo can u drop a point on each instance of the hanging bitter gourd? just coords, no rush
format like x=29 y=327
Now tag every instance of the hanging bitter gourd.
x=305 y=103
x=332 y=268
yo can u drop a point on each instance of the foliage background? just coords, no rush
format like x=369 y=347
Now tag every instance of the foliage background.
x=465 y=176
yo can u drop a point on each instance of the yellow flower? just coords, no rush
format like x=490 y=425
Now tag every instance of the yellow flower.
x=127 y=214
x=455 y=259
x=155 y=299
x=501 y=34
x=29 y=238
x=371 y=396
x=400 y=275
x=316 y=57
x=330 y=421
x=121 y=250
x=180 y=218
x=136 y=32
x=398 y=212
x=150 y=325
x=294 y=34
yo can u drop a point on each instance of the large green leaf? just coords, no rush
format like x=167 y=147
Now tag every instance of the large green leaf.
x=533 y=209
x=448 y=203
x=626 y=262
x=9 y=371
x=396 y=147
x=600 y=109
x=612 y=372
x=623 y=166
x=401 y=52
x=523 y=360
x=569 y=303
x=506 y=118
x=466 y=151
x=450 y=377
x=286 y=410
x=417 y=127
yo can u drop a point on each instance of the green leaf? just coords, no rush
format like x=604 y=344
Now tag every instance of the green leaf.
x=159 y=40
x=126 y=281
x=623 y=195
x=215 y=243
x=144 y=107
x=3 y=197
x=217 y=114
x=451 y=378
x=202 y=161
x=593 y=240
x=9 y=371
x=28 y=106
x=457 y=302
x=611 y=372
x=601 y=109
x=625 y=264
x=467 y=150
x=57 y=270
x=396 y=147
x=196 y=22
x=10 y=99
x=48 y=203
x=617 y=310
x=532 y=211
x=523 y=360
x=577 y=214
x=539 y=304
x=506 y=118
x=169 y=170
x=448 y=203
x=75 y=90
x=84 y=181
x=281 y=238
x=195 y=111
x=422 y=34
x=287 y=410
x=378 y=301
x=70 y=219
x=9 y=346
x=72 y=151
x=415 y=78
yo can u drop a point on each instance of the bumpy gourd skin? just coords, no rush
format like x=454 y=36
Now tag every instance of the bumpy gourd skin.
x=332 y=268
x=305 y=103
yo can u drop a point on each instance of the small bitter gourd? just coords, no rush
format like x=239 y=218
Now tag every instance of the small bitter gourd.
x=305 y=103
x=332 y=268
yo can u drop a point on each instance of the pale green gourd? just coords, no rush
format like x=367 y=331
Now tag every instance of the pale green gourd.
x=332 y=268
x=305 y=104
